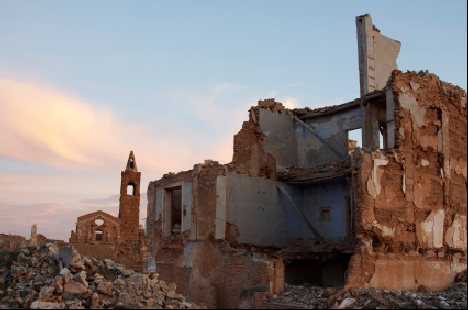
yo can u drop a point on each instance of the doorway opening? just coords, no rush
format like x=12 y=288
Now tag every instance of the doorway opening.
x=174 y=202
x=326 y=272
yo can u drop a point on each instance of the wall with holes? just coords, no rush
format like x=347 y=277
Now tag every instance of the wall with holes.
x=322 y=139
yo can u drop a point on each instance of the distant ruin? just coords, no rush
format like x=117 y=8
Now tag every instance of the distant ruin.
x=300 y=202
x=121 y=238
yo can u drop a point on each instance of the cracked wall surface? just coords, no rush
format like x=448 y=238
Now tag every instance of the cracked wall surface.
x=410 y=202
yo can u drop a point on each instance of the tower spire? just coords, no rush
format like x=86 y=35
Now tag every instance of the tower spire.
x=129 y=203
x=131 y=163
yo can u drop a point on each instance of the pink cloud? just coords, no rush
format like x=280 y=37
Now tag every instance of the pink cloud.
x=88 y=146
x=41 y=124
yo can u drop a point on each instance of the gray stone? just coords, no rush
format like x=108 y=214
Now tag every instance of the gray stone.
x=66 y=256
x=46 y=305
x=80 y=277
x=74 y=288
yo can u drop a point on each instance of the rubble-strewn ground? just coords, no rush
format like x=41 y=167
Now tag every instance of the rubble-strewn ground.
x=300 y=296
x=49 y=278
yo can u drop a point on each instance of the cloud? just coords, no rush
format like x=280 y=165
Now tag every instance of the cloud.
x=43 y=125
x=289 y=102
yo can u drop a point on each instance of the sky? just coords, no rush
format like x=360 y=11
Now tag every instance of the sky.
x=84 y=82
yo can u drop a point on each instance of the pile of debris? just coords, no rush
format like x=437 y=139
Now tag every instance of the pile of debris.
x=49 y=278
x=368 y=298
x=310 y=297
x=303 y=296
x=318 y=172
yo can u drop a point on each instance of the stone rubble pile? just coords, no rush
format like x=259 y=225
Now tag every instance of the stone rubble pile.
x=310 y=297
x=305 y=296
x=455 y=297
x=49 y=278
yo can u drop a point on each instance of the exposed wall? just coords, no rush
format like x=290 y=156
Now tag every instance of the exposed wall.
x=411 y=202
x=274 y=138
x=261 y=214
x=333 y=195
x=249 y=146
x=129 y=206
x=86 y=228
x=9 y=243
x=377 y=55
x=158 y=210
x=278 y=127
x=332 y=129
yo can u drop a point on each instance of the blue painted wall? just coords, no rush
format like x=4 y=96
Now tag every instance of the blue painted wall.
x=327 y=195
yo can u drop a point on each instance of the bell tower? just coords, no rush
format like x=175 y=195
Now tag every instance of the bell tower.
x=129 y=203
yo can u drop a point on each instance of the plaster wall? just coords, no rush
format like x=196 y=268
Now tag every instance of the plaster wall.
x=332 y=195
x=279 y=129
x=263 y=216
x=333 y=130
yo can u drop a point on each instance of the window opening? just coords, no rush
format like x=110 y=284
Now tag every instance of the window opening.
x=98 y=235
x=382 y=135
x=325 y=214
x=131 y=189
x=176 y=205
x=354 y=139
x=99 y=222
x=173 y=211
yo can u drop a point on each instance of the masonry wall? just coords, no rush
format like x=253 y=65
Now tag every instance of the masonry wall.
x=86 y=228
x=410 y=202
x=10 y=243
x=129 y=206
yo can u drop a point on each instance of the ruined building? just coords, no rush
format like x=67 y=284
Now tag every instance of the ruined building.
x=121 y=238
x=300 y=202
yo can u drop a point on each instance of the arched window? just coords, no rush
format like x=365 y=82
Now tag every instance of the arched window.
x=131 y=189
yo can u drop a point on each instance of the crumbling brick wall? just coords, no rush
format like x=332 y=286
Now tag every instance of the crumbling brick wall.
x=249 y=154
x=87 y=226
x=410 y=202
x=9 y=243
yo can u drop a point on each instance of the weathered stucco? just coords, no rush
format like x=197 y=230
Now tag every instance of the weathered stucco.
x=377 y=55
x=411 y=213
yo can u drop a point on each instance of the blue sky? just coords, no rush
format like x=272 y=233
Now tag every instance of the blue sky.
x=83 y=82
